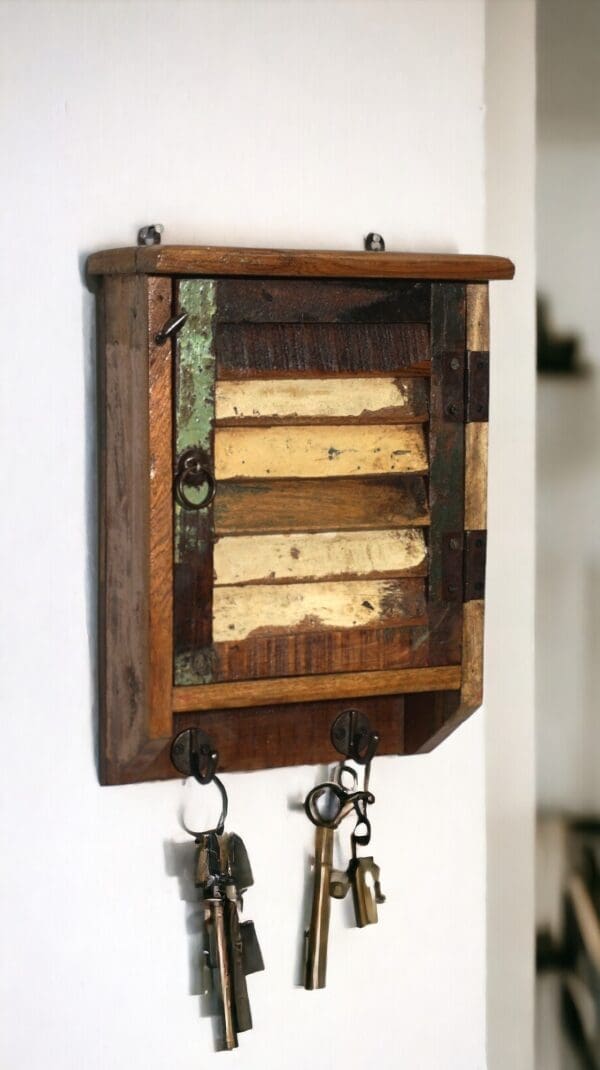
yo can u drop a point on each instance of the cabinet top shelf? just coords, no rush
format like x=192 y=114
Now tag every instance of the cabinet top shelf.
x=310 y=263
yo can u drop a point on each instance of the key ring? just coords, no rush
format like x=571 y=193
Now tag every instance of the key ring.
x=346 y=802
x=192 y=754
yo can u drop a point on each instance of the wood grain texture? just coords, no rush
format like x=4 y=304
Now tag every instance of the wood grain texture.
x=322 y=301
x=240 y=612
x=428 y=719
x=160 y=435
x=343 y=399
x=446 y=435
x=472 y=678
x=478 y=325
x=318 y=452
x=297 y=733
x=214 y=260
x=348 y=650
x=124 y=656
x=324 y=555
x=284 y=505
x=476 y=453
x=315 y=688
x=256 y=350
x=194 y=416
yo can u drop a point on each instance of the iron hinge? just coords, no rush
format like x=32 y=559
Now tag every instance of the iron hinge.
x=474 y=565
x=452 y=366
x=477 y=390
x=463 y=565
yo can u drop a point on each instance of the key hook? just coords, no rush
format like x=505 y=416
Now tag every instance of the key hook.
x=352 y=736
x=193 y=754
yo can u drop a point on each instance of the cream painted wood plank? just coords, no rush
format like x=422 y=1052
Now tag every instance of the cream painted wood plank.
x=297 y=452
x=239 y=612
x=272 y=558
x=476 y=450
x=477 y=317
x=320 y=398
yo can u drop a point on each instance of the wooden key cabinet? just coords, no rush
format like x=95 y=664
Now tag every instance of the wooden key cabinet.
x=292 y=499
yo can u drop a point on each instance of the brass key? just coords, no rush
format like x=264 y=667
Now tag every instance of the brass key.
x=365 y=897
x=317 y=934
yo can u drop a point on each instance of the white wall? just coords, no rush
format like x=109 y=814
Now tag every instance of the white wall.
x=568 y=484
x=509 y=647
x=273 y=123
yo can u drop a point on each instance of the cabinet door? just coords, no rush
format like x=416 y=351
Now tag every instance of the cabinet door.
x=330 y=415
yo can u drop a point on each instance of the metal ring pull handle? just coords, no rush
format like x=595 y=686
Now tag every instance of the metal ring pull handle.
x=191 y=473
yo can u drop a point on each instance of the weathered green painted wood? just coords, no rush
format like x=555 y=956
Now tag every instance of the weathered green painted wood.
x=194 y=417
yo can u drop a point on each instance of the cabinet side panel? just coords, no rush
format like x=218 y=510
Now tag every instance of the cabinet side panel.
x=124 y=520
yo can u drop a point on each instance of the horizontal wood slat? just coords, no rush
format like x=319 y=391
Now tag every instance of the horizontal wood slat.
x=322 y=301
x=326 y=555
x=304 y=452
x=239 y=612
x=318 y=687
x=284 y=401
x=347 y=650
x=282 y=505
x=253 y=350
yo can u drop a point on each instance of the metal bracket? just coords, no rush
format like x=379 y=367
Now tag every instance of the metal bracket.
x=352 y=736
x=452 y=566
x=193 y=754
x=477 y=386
x=475 y=554
x=453 y=386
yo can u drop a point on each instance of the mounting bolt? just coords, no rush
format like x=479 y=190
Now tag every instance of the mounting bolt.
x=150 y=235
x=455 y=364
x=451 y=409
x=374 y=242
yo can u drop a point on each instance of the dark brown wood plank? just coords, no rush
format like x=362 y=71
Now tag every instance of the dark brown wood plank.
x=297 y=733
x=265 y=506
x=124 y=655
x=428 y=717
x=254 y=350
x=318 y=263
x=322 y=301
x=446 y=438
x=349 y=650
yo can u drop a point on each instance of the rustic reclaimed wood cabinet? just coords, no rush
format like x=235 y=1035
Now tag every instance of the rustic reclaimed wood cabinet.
x=292 y=499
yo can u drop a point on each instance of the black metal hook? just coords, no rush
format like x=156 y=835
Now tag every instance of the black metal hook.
x=193 y=754
x=352 y=736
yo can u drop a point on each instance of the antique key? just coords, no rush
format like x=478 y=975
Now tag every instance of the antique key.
x=223 y=874
x=243 y=959
x=208 y=879
x=318 y=932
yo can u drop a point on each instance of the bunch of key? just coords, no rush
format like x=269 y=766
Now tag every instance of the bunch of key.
x=327 y=806
x=223 y=875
